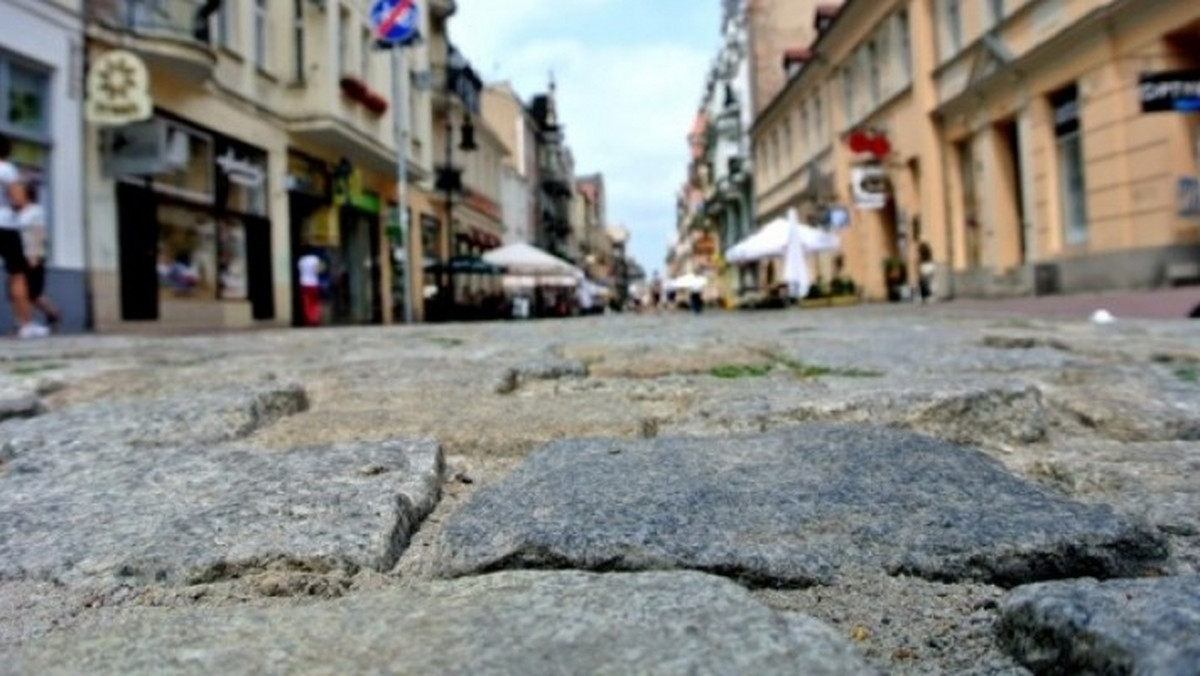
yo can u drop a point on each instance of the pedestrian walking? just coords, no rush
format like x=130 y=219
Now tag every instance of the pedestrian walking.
x=30 y=219
x=12 y=250
x=925 y=270
x=309 y=267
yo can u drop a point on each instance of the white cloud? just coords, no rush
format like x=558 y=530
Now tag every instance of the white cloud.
x=626 y=107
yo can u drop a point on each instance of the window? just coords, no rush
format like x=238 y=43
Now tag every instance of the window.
x=364 y=66
x=873 y=66
x=787 y=140
x=819 y=117
x=26 y=104
x=905 y=42
x=954 y=28
x=260 y=34
x=848 y=93
x=225 y=25
x=805 y=124
x=1072 y=182
x=997 y=10
x=343 y=43
x=298 y=73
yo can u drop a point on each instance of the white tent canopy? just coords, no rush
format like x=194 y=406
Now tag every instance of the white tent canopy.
x=771 y=241
x=529 y=261
x=688 y=282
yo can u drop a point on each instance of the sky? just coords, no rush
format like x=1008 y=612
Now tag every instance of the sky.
x=629 y=84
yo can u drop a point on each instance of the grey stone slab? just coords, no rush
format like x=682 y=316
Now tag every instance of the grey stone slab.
x=1149 y=627
x=508 y=623
x=20 y=407
x=205 y=415
x=792 y=508
x=192 y=514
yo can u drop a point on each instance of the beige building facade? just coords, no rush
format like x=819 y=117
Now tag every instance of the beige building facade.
x=272 y=135
x=1006 y=141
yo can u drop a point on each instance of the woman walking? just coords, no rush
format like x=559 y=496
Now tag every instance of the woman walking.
x=12 y=250
x=30 y=219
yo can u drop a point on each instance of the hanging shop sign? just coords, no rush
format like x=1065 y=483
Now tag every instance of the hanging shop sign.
x=242 y=171
x=870 y=141
x=1175 y=91
x=118 y=90
x=869 y=186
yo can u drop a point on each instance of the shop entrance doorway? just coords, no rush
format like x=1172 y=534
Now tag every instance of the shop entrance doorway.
x=358 y=283
x=139 y=256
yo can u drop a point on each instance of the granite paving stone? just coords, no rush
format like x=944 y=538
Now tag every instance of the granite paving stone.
x=794 y=508
x=508 y=623
x=188 y=513
x=1149 y=627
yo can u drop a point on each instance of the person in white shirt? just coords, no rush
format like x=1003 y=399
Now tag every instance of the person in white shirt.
x=309 y=267
x=30 y=219
x=12 y=250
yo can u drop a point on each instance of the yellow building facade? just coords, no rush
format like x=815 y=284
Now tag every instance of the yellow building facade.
x=1024 y=146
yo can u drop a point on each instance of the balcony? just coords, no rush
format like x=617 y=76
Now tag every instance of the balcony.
x=172 y=35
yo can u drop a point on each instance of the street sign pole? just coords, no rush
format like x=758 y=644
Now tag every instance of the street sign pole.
x=396 y=26
x=399 y=103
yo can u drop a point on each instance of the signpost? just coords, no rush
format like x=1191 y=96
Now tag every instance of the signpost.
x=396 y=24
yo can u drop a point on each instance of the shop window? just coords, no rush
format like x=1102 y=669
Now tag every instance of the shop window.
x=232 y=280
x=187 y=253
x=244 y=173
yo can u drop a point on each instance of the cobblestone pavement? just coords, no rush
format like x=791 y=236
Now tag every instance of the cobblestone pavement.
x=871 y=489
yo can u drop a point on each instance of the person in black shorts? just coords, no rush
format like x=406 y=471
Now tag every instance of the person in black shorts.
x=12 y=252
x=30 y=219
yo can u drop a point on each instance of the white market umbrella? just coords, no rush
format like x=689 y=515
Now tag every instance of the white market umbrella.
x=527 y=260
x=795 y=267
x=771 y=240
x=688 y=282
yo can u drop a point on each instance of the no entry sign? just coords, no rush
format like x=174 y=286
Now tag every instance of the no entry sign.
x=395 y=21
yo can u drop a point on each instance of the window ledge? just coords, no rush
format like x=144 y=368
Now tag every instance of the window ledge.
x=266 y=74
x=231 y=53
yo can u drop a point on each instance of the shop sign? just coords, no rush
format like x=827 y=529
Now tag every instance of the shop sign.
x=1172 y=91
x=869 y=187
x=118 y=90
x=243 y=172
x=137 y=149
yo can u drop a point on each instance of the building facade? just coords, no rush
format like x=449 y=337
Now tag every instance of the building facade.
x=1022 y=146
x=271 y=135
x=556 y=172
x=510 y=120
x=41 y=108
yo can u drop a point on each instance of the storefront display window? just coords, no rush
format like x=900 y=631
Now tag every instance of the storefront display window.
x=187 y=248
x=25 y=118
x=231 y=252
x=26 y=99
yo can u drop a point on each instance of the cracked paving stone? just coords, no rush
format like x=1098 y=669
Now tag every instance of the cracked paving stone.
x=793 y=508
x=204 y=416
x=507 y=623
x=1115 y=627
x=191 y=514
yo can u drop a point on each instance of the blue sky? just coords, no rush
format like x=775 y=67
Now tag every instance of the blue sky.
x=629 y=82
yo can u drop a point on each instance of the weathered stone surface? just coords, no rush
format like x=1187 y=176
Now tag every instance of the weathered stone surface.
x=788 y=509
x=1115 y=627
x=509 y=623
x=193 y=514
x=19 y=407
x=202 y=417
x=1157 y=482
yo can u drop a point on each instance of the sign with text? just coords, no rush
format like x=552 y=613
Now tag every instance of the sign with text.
x=118 y=90
x=1173 y=91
